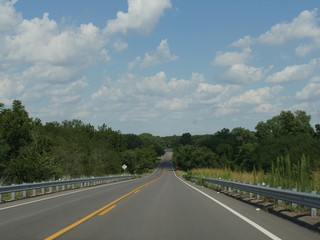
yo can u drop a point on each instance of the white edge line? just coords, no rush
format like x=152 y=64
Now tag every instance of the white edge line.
x=261 y=229
x=64 y=194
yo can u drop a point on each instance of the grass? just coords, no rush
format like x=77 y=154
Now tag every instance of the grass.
x=258 y=177
x=284 y=174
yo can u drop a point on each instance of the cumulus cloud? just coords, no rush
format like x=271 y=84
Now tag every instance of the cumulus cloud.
x=173 y=104
x=244 y=42
x=40 y=60
x=9 y=87
x=264 y=108
x=9 y=18
x=142 y=16
x=134 y=87
x=311 y=92
x=294 y=72
x=212 y=94
x=303 y=26
x=258 y=99
x=304 y=49
x=240 y=73
x=160 y=55
x=153 y=85
x=120 y=45
x=231 y=58
x=40 y=40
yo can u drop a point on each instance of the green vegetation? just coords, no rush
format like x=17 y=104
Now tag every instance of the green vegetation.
x=32 y=151
x=283 y=151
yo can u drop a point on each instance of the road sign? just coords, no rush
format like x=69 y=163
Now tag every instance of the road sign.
x=124 y=167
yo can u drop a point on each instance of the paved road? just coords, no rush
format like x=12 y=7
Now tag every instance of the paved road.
x=160 y=206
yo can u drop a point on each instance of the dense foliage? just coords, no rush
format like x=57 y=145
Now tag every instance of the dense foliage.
x=32 y=151
x=288 y=135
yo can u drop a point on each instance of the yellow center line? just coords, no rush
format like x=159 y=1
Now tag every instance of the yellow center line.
x=100 y=210
x=107 y=210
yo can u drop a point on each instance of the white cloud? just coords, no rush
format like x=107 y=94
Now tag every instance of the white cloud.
x=311 y=92
x=303 y=26
x=231 y=58
x=264 y=108
x=50 y=73
x=210 y=88
x=252 y=97
x=223 y=111
x=9 y=18
x=145 y=98
x=212 y=94
x=304 y=49
x=120 y=45
x=9 y=87
x=153 y=85
x=105 y=56
x=244 y=42
x=172 y=104
x=240 y=73
x=142 y=16
x=40 y=40
x=160 y=55
x=45 y=61
x=294 y=72
x=130 y=88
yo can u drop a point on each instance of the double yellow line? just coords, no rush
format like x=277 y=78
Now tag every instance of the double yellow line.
x=101 y=211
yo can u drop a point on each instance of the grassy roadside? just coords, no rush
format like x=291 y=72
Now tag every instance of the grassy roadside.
x=302 y=182
x=300 y=215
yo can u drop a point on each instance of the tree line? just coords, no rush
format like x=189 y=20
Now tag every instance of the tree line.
x=33 y=151
x=288 y=135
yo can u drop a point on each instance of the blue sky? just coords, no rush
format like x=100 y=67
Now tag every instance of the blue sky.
x=163 y=66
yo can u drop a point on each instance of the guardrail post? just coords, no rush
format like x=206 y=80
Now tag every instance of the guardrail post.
x=0 y=197
x=279 y=201
x=24 y=194
x=294 y=205
x=42 y=191
x=62 y=188
x=13 y=196
x=313 y=210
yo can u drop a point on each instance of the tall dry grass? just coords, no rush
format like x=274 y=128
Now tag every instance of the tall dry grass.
x=259 y=177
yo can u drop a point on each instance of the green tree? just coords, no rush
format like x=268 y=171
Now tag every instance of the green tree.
x=139 y=160
x=189 y=156
x=186 y=139
x=153 y=142
x=15 y=128
x=132 y=141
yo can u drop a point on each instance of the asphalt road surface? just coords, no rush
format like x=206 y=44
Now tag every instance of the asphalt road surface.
x=160 y=206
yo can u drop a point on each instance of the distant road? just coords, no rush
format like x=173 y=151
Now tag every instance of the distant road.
x=160 y=206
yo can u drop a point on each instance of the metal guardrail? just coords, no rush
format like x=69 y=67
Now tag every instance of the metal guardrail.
x=60 y=183
x=302 y=198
